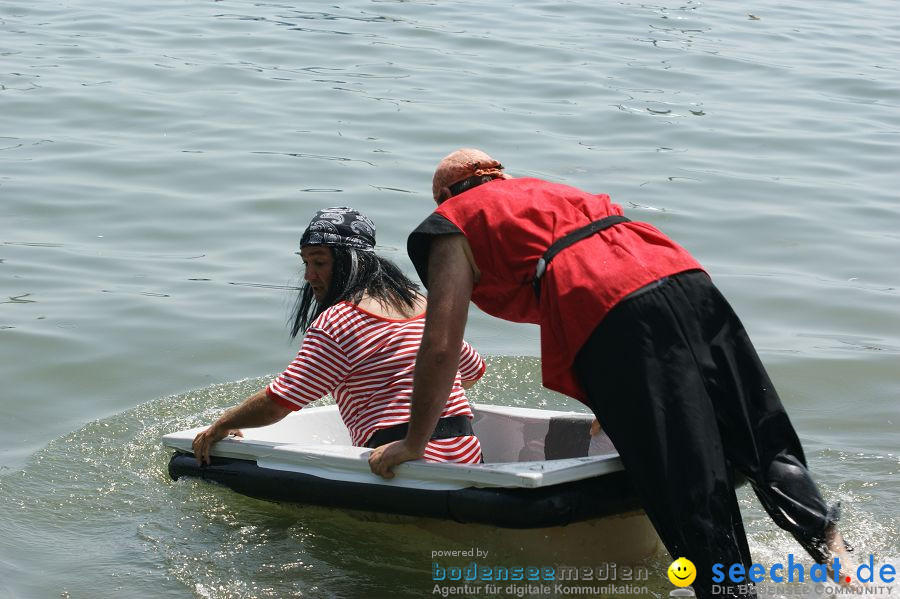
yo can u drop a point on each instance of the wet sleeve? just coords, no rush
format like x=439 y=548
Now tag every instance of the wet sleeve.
x=471 y=364
x=419 y=243
x=320 y=366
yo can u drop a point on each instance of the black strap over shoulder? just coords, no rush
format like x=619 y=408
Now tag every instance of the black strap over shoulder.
x=570 y=239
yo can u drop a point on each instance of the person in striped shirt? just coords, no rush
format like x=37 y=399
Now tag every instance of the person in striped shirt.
x=363 y=321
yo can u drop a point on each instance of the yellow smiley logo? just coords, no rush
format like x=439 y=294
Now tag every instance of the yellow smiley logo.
x=682 y=572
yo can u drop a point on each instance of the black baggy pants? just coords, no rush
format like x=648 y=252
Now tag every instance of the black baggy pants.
x=674 y=380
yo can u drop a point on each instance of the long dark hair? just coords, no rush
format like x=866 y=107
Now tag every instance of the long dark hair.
x=353 y=274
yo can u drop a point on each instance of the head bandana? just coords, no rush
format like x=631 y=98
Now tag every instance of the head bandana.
x=340 y=226
x=461 y=165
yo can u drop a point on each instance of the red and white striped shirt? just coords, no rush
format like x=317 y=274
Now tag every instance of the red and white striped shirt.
x=366 y=362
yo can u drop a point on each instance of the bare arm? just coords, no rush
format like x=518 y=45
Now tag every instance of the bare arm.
x=450 y=283
x=256 y=410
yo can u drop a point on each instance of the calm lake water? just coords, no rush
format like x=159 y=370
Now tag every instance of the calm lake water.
x=158 y=162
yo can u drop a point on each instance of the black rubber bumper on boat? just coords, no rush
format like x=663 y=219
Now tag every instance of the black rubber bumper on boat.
x=556 y=505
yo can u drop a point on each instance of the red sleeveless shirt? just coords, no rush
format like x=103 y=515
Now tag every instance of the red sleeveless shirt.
x=509 y=224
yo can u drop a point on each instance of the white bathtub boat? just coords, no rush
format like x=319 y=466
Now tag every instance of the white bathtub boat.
x=544 y=474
